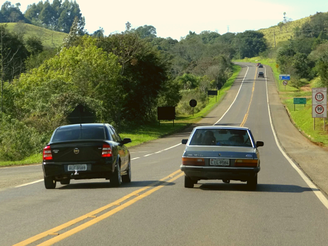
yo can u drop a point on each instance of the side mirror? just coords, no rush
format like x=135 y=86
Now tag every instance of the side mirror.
x=126 y=140
x=184 y=141
x=259 y=143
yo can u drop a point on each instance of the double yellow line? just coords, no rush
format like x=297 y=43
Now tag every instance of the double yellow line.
x=249 y=105
x=54 y=235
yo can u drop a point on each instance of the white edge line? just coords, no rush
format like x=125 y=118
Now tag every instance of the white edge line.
x=37 y=181
x=314 y=188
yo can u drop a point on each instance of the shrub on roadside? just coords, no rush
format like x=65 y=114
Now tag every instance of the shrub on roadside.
x=18 y=140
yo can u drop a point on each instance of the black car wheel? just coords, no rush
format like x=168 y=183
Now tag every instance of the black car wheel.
x=49 y=183
x=252 y=183
x=116 y=179
x=65 y=181
x=127 y=177
x=188 y=182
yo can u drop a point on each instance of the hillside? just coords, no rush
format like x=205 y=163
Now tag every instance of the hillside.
x=52 y=39
x=49 y=38
x=276 y=34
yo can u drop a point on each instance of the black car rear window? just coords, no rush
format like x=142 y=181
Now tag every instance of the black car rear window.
x=79 y=133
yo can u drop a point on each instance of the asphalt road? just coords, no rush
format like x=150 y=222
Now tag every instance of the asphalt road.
x=155 y=209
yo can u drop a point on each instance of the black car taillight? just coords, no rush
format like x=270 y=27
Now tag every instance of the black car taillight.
x=47 y=156
x=106 y=151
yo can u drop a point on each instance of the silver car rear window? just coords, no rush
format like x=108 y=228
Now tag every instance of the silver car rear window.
x=221 y=137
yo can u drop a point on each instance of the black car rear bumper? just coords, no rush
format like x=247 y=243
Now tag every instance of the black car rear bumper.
x=229 y=173
x=60 y=171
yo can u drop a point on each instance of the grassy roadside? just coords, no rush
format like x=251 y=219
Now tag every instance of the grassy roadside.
x=147 y=133
x=301 y=115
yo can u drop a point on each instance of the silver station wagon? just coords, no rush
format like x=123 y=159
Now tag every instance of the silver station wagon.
x=221 y=152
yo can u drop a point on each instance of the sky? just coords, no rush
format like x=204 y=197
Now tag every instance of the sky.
x=176 y=18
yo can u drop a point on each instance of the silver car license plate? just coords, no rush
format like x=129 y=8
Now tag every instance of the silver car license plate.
x=219 y=162
x=77 y=167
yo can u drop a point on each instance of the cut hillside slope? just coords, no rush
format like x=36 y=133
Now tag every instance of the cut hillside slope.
x=284 y=32
x=50 y=39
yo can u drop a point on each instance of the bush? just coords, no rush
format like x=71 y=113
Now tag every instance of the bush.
x=184 y=108
x=18 y=141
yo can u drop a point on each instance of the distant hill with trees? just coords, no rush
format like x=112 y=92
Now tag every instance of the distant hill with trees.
x=57 y=16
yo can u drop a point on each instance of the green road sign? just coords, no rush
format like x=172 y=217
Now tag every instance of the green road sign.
x=299 y=100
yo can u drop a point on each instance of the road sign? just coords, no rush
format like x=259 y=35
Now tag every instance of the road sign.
x=319 y=102
x=299 y=100
x=284 y=77
x=285 y=82
x=193 y=103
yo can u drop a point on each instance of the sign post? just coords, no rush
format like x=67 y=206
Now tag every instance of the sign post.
x=285 y=78
x=319 y=104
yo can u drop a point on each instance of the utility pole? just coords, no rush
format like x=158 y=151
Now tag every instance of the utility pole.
x=274 y=39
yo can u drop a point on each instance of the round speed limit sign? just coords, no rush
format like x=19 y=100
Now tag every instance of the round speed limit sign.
x=319 y=96
x=319 y=109
x=284 y=82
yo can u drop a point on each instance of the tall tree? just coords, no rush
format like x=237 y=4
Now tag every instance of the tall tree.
x=12 y=56
x=143 y=78
x=249 y=44
x=146 y=31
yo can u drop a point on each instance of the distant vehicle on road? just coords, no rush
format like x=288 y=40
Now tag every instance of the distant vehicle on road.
x=260 y=65
x=221 y=152
x=86 y=151
x=260 y=74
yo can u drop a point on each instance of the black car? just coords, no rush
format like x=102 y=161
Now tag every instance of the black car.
x=260 y=65
x=260 y=74
x=86 y=151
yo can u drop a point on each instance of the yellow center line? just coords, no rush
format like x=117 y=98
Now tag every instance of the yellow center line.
x=249 y=106
x=92 y=215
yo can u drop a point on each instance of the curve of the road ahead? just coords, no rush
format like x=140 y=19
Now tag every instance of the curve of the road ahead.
x=155 y=209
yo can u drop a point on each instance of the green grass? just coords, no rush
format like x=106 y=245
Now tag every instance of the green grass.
x=50 y=39
x=302 y=115
x=37 y=158
x=147 y=133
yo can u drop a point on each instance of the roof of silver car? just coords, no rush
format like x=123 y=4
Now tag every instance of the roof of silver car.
x=222 y=127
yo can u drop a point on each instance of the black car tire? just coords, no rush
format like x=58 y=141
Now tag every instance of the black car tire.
x=65 y=181
x=188 y=182
x=49 y=183
x=252 y=183
x=127 y=177
x=116 y=179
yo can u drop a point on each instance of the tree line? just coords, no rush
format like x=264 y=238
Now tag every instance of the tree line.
x=306 y=55
x=58 y=15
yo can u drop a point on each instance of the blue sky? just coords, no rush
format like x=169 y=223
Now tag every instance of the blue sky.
x=175 y=18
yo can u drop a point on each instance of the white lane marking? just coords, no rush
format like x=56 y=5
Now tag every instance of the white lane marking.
x=135 y=158
x=235 y=97
x=160 y=151
x=37 y=181
x=313 y=187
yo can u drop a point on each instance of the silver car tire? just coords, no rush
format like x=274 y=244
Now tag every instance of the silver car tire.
x=252 y=183
x=188 y=182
